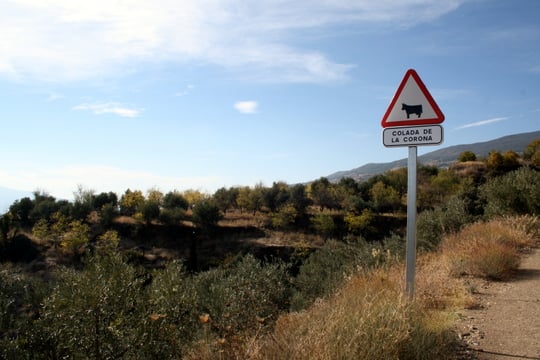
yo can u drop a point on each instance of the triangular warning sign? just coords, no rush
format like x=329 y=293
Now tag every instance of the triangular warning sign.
x=412 y=104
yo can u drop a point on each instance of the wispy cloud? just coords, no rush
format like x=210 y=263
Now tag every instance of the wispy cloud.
x=109 y=108
x=246 y=107
x=65 y=40
x=482 y=123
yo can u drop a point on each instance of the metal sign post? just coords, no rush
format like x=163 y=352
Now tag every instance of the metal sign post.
x=412 y=119
x=410 y=261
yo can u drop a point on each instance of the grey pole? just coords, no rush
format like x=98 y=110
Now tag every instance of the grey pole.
x=410 y=262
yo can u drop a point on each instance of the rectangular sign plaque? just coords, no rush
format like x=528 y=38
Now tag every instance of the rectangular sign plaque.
x=413 y=135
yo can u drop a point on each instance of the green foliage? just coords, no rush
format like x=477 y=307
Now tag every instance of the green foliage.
x=323 y=194
x=95 y=313
x=246 y=295
x=298 y=198
x=76 y=238
x=108 y=212
x=515 y=193
x=149 y=210
x=467 y=156
x=326 y=269
x=285 y=217
x=174 y=313
x=358 y=224
x=174 y=200
x=172 y=216
x=432 y=225
x=226 y=198
x=436 y=190
x=323 y=224
x=20 y=299
x=385 y=198
x=206 y=214
x=276 y=196
x=131 y=202
x=41 y=229
x=20 y=210
x=103 y=199
x=6 y=223
x=108 y=241
x=532 y=153
x=250 y=199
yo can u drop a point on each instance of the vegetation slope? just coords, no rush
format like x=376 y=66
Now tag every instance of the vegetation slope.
x=280 y=272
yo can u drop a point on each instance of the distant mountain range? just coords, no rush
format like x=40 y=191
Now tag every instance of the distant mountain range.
x=443 y=157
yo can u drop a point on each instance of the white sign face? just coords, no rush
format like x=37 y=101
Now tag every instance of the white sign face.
x=413 y=135
x=412 y=105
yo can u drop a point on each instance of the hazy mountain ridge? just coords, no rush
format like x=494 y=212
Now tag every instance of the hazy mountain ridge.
x=443 y=157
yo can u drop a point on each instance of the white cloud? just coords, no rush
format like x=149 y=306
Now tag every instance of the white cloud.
x=66 y=40
x=109 y=108
x=246 y=107
x=62 y=182
x=482 y=123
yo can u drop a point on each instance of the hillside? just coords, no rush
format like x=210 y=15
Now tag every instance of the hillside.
x=442 y=157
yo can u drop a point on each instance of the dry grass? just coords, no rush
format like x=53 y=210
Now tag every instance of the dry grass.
x=489 y=250
x=243 y=219
x=369 y=318
x=436 y=288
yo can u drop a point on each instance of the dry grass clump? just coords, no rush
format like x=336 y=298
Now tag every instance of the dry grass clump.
x=489 y=249
x=369 y=318
x=436 y=288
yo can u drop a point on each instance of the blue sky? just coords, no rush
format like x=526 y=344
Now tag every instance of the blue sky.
x=192 y=94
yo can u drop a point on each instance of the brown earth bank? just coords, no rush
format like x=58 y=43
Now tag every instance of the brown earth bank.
x=506 y=323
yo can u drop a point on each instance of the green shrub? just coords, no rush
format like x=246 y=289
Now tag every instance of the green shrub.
x=20 y=298
x=94 y=313
x=432 y=225
x=326 y=269
x=284 y=217
x=323 y=224
x=173 y=319
x=515 y=193
x=246 y=295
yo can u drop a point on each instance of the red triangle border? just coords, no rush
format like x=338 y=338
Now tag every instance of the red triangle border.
x=432 y=121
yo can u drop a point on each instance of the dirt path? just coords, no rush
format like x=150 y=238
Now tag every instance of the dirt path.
x=506 y=325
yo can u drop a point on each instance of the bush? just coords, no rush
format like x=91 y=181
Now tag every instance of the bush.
x=206 y=215
x=327 y=268
x=94 y=313
x=243 y=296
x=432 y=225
x=174 y=314
x=515 y=193
x=323 y=224
x=20 y=298
x=284 y=217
